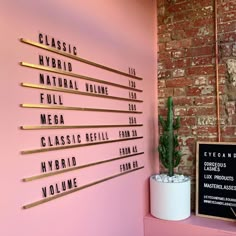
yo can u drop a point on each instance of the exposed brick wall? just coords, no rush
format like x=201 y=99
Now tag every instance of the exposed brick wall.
x=186 y=71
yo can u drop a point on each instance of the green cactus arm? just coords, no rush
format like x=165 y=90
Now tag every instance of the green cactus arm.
x=176 y=124
x=169 y=121
x=176 y=141
x=163 y=122
x=163 y=155
x=178 y=156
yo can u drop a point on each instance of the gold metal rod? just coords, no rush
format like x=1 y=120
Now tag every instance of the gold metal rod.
x=76 y=146
x=58 y=89
x=78 y=189
x=62 y=72
x=77 y=108
x=39 y=127
x=78 y=167
x=35 y=44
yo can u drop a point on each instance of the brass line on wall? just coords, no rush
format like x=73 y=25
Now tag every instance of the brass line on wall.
x=76 y=145
x=42 y=46
x=78 y=167
x=78 y=189
x=27 y=105
x=58 y=89
x=39 y=127
x=62 y=72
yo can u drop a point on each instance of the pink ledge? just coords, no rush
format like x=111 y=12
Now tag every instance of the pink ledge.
x=193 y=226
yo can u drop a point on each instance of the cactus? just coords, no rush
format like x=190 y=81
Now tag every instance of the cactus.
x=169 y=156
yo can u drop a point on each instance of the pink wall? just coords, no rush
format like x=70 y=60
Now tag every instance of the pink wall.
x=119 y=34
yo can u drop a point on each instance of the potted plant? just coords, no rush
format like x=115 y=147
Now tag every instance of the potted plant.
x=170 y=192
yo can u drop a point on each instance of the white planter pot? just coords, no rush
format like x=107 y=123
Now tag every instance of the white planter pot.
x=170 y=201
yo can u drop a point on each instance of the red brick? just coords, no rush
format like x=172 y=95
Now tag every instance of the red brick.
x=228 y=131
x=183 y=130
x=178 y=72
x=222 y=89
x=190 y=141
x=178 y=53
x=204 y=11
x=209 y=20
x=186 y=170
x=205 y=30
x=180 y=111
x=222 y=69
x=175 y=8
x=207 y=138
x=200 y=51
x=234 y=50
x=233 y=117
x=201 y=70
x=179 y=92
x=228 y=139
x=226 y=50
x=181 y=63
x=188 y=121
x=222 y=109
x=166 y=64
x=226 y=7
x=206 y=120
x=227 y=37
x=162 y=29
x=227 y=27
x=162 y=111
x=160 y=18
x=200 y=80
x=160 y=3
x=164 y=74
x=198 y=111
x=229 y=16
x=180 y=1
x=163 y=38
x=204 y=101
x=191 y=32
x=202 y=41
x=205 y=60
x=165 y=92
x=180 y=16
x=212 y=80
x=178 y=34
x=230 y=108
x=161 y=102
x=177 y=44
x=161 y=83
x=202 y=130
x=202 y=3
x=182 y=101
x=162 y=56
x=161 y=47
x=193 y=91
x=178 y=82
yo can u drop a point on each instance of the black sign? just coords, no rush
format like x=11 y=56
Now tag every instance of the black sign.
x=216 y=180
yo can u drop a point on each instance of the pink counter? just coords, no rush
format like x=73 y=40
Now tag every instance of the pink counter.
x=193 y=226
